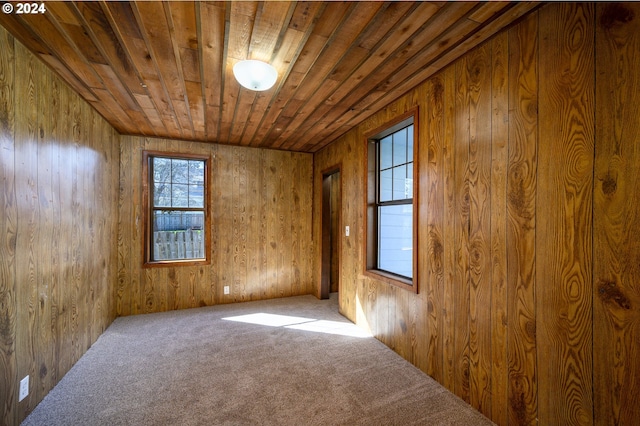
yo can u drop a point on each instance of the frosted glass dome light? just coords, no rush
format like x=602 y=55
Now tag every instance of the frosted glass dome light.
x=255 y=75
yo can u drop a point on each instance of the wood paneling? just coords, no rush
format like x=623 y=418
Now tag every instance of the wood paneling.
x=616 y=242
x=261 y=228
x=565 y=176
x=8 y=231
x=527 y=222
x=499 y=159
x=59 y=174
x=521 y=222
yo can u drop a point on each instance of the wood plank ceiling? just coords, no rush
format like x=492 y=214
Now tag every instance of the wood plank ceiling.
x=164 y=69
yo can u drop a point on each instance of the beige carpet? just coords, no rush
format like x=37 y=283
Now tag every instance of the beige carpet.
x=291 y=361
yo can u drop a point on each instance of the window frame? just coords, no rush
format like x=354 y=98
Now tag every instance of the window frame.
x=371 y=185
x=148 y=208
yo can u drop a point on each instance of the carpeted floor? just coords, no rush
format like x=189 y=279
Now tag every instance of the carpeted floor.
x=290 y=361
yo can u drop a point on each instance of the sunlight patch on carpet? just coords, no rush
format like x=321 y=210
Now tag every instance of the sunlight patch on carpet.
x=301 y=323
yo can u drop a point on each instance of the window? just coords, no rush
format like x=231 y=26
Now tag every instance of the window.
x=390 y=208
x=176 y=213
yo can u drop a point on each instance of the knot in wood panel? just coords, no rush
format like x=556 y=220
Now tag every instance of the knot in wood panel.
x=611 y=294
x=609 y=185
x=616 y=14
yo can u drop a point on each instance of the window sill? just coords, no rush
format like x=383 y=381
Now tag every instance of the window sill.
x=392 y=279
x=175 y=263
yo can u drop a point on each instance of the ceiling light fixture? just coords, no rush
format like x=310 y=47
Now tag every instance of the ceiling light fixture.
x=255 y=75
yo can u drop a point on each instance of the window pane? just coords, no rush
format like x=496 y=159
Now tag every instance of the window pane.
x=409 y=181
x=386 y=185
x=386 y=152
x=179 y=195
x=196 y=195
x=161 y=169
x=395 y=242
x=196 y=171
x=180 y=171
x=170 y=220
x=161 y=194
x=399 y=178
x=178 y=235
x=400 y=147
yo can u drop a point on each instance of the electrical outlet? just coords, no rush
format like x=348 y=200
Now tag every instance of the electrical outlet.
x=226 y=289
x=346 y=231
x=24 y=388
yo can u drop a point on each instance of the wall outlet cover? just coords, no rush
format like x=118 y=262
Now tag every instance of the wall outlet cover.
x=24 y=388
x=226 y=289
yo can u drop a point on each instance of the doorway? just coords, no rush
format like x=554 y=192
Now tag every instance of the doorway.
x=331 y=225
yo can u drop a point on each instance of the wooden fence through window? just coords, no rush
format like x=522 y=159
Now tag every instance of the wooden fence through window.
x=173 y=245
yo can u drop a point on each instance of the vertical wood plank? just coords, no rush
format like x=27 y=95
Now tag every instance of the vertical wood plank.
x=27 y=238
x=306 y=227
x=479 y=78
x=254 y=246
x=431 y=271
x=521 y=204
x=273 y=230
x=499 y=158
x=95 y=223
x=448 y=233
x=113 y=231
x=102 y=210
x=264 y=231
x=86 y=282
x=352 y=208
x=143 y=282
x=64 y=292
x=461 y=234
x=284 y=224
x=125 y=223
x=565 y=168
x=224 y=225
x=616 y=270
x=400 y=323
x=239 y=219
x=296 y=215
x=75 y=282
x=46 y=246
x=8 y=231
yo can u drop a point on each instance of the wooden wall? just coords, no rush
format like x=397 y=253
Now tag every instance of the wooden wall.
x=528 y=252
x=261 y=230
x=58 y=226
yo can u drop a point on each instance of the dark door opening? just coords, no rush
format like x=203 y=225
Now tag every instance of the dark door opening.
x=331 y=206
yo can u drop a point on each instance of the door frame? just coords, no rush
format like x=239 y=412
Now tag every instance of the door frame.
x=325 y=230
